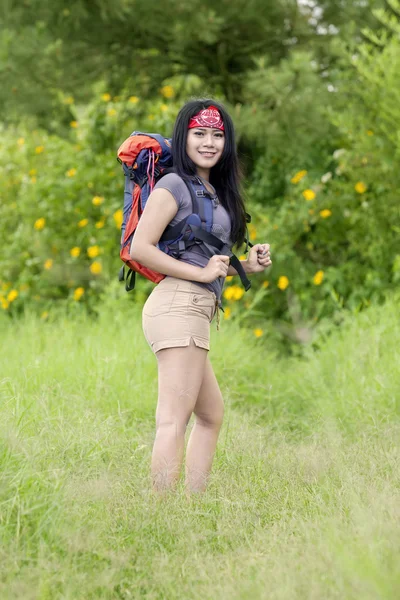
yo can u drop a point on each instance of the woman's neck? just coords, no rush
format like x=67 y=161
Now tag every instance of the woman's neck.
x=203 y=173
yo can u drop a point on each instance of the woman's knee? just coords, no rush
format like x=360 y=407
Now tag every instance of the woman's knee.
x=212 y=419
x=173 y=426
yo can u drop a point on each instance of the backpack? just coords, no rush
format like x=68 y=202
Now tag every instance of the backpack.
x=145 y=158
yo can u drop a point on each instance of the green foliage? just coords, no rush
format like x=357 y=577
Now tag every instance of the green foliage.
x=317 y=136
x=334 y=227
x=64 y=48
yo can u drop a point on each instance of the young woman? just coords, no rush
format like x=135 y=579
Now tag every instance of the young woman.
x=178 y=312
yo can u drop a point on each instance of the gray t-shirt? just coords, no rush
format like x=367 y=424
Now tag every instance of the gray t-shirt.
x=196 y=255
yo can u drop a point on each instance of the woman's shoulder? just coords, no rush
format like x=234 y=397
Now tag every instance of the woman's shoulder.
x=170 y=179
x=177 y=187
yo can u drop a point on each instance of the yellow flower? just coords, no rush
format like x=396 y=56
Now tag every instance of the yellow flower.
x=78 y=293
x=164 y=107
x=4 y=303
x=71 y=172
x=21 y=141
x=233 y=292
x=298 y=177
x=238 y=293
x=32 y=172
x=74 y=124
x=133 y=100
x=93 y=251
x=283 y=282
x=309 y=195
x=40 y=223
x=106 y=97
x=369 y=132
x=242 y=257
x=360 y=187
x=68 y=100
x=90 y=185
x=83 y=222
x=96 y=268
x=318 y=277
x=97 y=200
x=48 y=264
x=275 y=227
x=325 y=213
x=44 y=315
x=168 y=91
x=253 y=232
x=258 y=332
x=118 y=217
x=75 y=251
x=229 y=292
x=265 y=284
x=99 y=224
x=227 y=313
x=12 y=295
x=33 y=180
x=111 y=112
x=39 y=149
x=150 y=117
x=229 y=278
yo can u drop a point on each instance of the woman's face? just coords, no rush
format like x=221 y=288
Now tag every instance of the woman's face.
x=205 y=146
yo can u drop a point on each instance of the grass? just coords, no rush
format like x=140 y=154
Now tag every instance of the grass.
x=304 y=496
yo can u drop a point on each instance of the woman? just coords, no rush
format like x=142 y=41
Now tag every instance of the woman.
x=178 y=312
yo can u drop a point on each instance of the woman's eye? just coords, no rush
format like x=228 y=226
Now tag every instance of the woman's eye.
x=198 y=133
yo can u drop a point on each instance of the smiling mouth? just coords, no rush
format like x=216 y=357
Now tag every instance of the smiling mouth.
x=207 y=153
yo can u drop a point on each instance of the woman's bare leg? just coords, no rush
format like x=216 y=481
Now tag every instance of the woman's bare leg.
x=209 y=411
x=180 y=373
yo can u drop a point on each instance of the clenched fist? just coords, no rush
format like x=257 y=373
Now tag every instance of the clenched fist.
x=216 y=267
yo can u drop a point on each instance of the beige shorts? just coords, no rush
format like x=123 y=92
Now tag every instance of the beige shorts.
x=176 y=312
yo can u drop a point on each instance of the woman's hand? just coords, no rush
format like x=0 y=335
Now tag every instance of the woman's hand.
x=258 y=259
x=216 y=267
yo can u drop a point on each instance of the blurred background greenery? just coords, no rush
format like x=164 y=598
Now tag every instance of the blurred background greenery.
x=313 y=88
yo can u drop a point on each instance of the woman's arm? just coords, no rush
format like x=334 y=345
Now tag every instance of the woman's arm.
x=159 y=211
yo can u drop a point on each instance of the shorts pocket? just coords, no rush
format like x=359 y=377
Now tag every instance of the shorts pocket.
x=159 y=302
x=203 y=305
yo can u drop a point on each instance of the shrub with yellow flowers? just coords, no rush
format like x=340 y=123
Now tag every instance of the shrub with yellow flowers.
x=326 y=231
x=65 y=234
x=331 y=217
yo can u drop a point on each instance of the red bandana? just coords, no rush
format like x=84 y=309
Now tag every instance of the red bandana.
x=208 y=117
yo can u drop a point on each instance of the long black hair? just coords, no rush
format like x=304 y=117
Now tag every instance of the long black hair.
x=225 y=176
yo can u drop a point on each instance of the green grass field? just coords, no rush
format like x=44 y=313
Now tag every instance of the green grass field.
x=304 y=499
